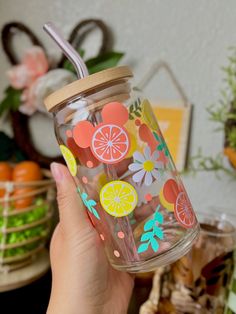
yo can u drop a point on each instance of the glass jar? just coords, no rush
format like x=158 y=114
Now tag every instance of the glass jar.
x=123 y=171
x=200 y=279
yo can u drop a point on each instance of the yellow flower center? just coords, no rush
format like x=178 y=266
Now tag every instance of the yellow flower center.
x=148 y=165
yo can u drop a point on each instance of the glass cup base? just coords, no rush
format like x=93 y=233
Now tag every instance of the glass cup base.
x=177 y=251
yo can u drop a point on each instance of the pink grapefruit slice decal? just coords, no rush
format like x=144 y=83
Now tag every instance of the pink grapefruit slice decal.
x=183 y=211
x=110 y=143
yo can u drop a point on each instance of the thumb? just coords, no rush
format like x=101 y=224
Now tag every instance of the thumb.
x=73 y=216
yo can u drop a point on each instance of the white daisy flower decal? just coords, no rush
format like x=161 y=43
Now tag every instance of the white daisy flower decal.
x=146 y=166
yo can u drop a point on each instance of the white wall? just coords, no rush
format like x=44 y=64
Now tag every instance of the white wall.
x=193 y=36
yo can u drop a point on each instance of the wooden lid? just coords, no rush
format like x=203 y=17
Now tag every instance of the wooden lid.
x=86 y=84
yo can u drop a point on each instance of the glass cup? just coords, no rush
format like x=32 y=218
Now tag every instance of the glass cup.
x=125 y=176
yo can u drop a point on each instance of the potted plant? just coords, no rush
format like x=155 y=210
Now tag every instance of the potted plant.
x=224 y=114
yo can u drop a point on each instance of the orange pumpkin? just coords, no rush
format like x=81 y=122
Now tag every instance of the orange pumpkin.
x=25 y=171
x=5 y=175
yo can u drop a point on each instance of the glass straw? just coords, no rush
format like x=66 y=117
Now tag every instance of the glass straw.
x=67 y=49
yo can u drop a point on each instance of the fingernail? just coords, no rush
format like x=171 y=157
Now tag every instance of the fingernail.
x=56 y=172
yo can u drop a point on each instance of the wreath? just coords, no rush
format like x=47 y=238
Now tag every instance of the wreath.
x=33 y=77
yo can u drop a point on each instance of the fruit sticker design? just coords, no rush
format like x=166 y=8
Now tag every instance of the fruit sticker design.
x=84 y=155
x=148 y=115
x=146 y=166
x=168 y=194
x=135 y=109
x=161 y=144
x=151 y=232
x=170 y=191
x=110 y=143
x=70 y=159
x=89 y=203
x=183 y=211
x=118 y=198
x=164 y=202
x=173 y=199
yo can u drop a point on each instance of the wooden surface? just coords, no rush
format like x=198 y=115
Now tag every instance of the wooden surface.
x=26 y=275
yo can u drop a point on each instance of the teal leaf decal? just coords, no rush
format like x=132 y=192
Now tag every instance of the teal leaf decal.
x=152 y=232
x=154 y=244
x=143 y=247
x=159 y=233
x=161 y=144
x=146 y=236
x=158 y=216
x=89 y=204
x=149 y=225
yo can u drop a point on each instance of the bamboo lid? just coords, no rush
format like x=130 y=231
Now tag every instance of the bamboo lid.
x=86 y=84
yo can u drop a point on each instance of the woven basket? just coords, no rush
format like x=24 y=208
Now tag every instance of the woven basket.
x=24 y=232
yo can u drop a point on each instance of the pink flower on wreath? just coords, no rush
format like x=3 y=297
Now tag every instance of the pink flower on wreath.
x=34 y=64
x=25 y=75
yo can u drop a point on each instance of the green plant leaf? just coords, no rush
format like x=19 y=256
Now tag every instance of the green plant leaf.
x=104 y=61
x=11 y=100
x=67 y=65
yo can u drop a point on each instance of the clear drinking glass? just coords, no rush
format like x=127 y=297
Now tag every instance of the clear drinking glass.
x=123 y=170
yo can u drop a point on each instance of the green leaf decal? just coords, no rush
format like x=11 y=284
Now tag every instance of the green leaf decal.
x=149 y=225
x=135 y=109
x=152 y=232
x=154 y=244
x=143 y=247
x=89 y=204
x=146 y=236
x=158 y=216
x=161 y=144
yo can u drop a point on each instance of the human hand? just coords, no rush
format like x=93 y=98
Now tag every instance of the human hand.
x=83 y=280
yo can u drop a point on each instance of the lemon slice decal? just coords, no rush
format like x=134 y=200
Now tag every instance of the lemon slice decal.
x=169 y=206
x=70 y=159
x=118 y=198
x=148 y=115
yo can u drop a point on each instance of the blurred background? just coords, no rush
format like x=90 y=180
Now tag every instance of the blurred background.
x=192 y=37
